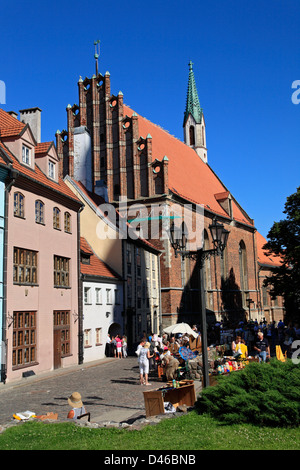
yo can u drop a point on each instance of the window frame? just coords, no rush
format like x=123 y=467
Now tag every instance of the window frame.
x=61 y=270
x=26 y=156
x=23 y=329
x=56 y=218
x=19 y=205
x=40 y=217
x=67 y=222
x=20 y=258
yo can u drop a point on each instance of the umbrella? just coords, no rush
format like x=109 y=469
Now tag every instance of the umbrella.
x=180 y=328
x=186 y=353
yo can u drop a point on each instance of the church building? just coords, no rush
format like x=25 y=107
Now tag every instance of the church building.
x=118 y=153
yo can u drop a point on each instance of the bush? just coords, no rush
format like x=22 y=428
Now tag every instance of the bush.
x=262 y=394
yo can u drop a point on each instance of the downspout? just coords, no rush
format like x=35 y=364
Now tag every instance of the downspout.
x=11 y=179
x=80 y=307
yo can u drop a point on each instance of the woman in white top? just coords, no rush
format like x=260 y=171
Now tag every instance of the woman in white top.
x=143 y=360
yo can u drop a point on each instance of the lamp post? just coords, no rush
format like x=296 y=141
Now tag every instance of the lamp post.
x=178 y=240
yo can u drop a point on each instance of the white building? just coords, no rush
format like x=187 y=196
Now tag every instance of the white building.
x=102 y=298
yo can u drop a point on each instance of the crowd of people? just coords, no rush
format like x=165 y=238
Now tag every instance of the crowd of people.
x=253 y=332
x=116 y=346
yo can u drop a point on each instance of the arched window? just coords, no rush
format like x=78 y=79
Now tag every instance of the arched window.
x=39 y=212
x=67 y=222
x=56 y=218
x=243 y=269
x=19 y=201
x=192 y=135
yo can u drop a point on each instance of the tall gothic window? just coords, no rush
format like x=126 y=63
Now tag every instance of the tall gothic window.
x=243 y=270
x=192 y=135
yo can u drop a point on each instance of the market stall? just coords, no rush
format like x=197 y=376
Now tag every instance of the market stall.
x=170 y=397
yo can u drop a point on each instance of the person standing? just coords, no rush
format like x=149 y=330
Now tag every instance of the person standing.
x=119 y=347
x=262 y=347
x=143 y=360
x=107 y=346
x=124 y=346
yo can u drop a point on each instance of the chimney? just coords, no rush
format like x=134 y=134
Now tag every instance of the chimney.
x=13 y=114
x=32 y=116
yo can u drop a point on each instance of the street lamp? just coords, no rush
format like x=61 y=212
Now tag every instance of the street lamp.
x=178 y=240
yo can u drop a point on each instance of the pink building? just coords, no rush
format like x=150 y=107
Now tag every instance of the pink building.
x=42 y=312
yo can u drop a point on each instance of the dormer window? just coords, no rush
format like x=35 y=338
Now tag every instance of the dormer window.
x=51 y=170
x=26 y=155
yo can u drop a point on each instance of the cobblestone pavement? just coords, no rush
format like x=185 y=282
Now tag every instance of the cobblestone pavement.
x=110 y=390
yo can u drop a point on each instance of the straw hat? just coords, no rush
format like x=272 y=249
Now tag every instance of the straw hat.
x=75 y=400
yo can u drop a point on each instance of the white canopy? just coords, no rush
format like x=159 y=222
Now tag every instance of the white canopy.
x=183 y=328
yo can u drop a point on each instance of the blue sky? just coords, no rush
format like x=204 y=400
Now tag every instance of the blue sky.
x=245 y=55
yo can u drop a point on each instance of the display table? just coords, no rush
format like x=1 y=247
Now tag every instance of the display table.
x=184 y=395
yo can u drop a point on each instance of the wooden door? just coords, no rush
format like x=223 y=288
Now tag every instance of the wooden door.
x=57 y=348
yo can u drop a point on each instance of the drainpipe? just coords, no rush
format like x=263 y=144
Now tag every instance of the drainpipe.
x=80 y=308
x=11 y=179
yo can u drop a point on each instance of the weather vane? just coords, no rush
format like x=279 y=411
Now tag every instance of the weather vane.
x=97 y=53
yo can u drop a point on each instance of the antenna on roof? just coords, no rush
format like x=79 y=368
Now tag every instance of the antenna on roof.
x=97 y=53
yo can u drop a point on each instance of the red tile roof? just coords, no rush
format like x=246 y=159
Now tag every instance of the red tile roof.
x=10 y=125
x=189 y=176
x=262 y=257
x=42 y=148
x=97 y=267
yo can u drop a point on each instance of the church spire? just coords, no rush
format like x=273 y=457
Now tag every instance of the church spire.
x=192 y=101
x=193 y=123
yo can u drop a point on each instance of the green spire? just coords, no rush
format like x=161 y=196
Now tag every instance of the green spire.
x=192 y=100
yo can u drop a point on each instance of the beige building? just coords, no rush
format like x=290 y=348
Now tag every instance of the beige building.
x=135 y=260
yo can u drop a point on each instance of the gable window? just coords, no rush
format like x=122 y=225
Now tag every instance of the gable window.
x=51 y=170
x=56 y=218
x=19 y=205
x=67 y=222
x=26 y=155
x=39 y=212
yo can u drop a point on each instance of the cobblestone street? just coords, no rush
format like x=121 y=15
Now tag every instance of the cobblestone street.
x=110 y=390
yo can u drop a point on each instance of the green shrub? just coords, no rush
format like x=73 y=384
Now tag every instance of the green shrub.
x=262 y=394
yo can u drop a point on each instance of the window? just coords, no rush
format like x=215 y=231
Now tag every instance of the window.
x=87 y=295
x=61 y=271
x=67 y=222
x=243 y=270
x=85 y=259
x=51 y=170
x=108 y=296
x=98 y=336
x=192 y=135
x=56 y=218
x=61 y=321
x=19 y=205
x=138 y=261
x=39 y=212
x=128 y=259
x=87 y=338
x=98 y=295
x=25 y=266
x=24 y=339
x=26 y=157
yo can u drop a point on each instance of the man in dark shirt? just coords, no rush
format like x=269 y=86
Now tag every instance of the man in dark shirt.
x=262 y=347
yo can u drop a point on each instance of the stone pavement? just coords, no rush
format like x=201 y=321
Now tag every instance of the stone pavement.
x=109 y=388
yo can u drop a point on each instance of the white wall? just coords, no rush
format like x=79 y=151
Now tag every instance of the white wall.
x=101 y=314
